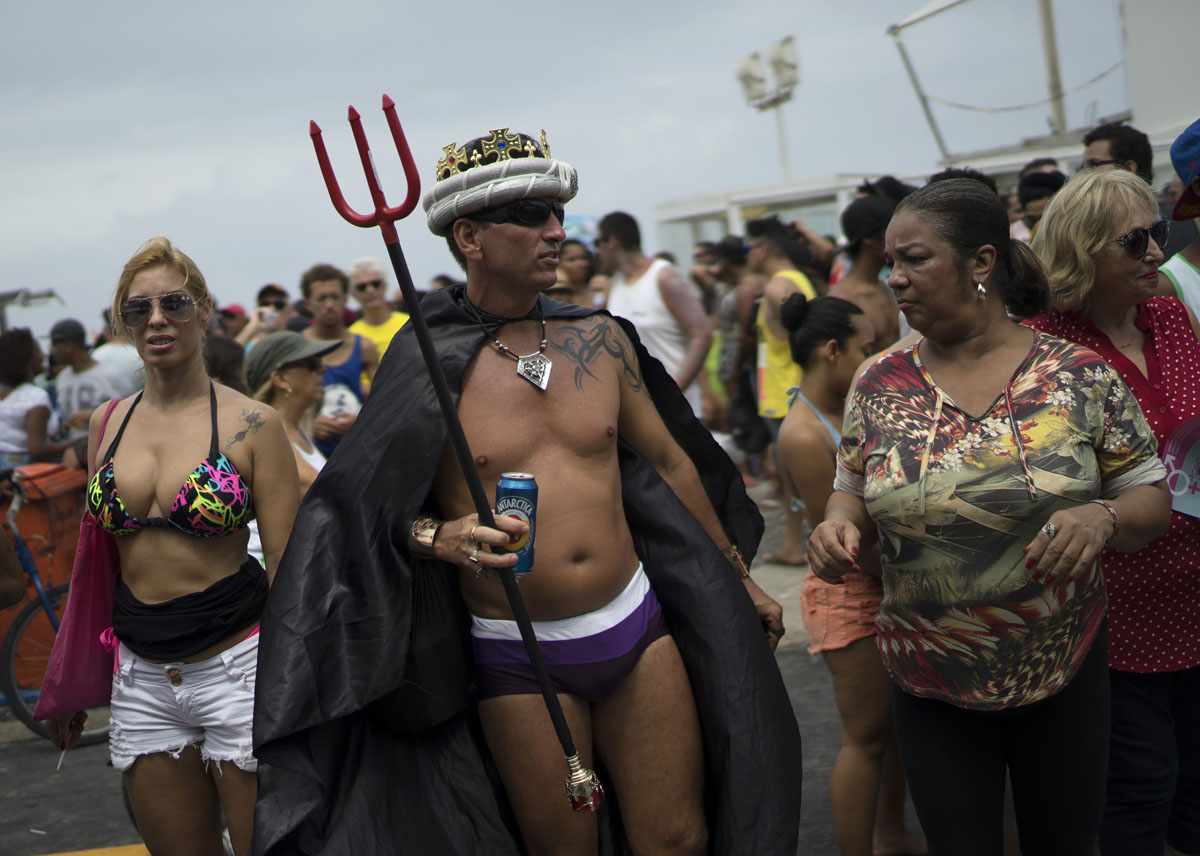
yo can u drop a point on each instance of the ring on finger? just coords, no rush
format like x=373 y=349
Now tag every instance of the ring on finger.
x=471 y=537
x=1050 y=530
x=777 y=633
x=474 y=557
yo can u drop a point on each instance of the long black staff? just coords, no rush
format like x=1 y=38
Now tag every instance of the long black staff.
x=583 y=787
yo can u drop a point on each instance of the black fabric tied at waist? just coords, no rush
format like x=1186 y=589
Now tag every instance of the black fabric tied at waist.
x=183 y=626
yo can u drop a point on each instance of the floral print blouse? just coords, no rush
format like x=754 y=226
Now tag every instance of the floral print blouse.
x=955 y=498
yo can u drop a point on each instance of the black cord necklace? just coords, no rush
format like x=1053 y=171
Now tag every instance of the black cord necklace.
x=534 y=367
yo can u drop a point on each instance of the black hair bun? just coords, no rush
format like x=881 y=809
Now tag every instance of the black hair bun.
x=793 y=312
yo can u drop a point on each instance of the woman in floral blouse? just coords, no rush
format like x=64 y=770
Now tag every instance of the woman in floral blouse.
x=995 y=463
x=1101 y=239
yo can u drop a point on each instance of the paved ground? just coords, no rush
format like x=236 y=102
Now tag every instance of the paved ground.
x=80 y=806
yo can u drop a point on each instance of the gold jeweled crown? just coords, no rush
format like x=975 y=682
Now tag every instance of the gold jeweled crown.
x=501 y=145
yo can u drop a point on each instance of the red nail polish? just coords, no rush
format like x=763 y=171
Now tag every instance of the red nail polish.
x=1029 y=563
x=850 y=563
x=854 y=552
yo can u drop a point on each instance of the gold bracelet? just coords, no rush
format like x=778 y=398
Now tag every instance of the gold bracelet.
x=734 y=555
x=420 y=536
x=1112 y=512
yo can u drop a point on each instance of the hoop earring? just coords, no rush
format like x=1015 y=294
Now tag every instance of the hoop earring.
x=981 y=290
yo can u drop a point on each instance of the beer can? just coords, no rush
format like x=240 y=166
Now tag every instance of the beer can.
x=516 y=496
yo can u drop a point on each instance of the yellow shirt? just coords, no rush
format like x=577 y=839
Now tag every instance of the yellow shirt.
x=380 y=334
x=777 y=373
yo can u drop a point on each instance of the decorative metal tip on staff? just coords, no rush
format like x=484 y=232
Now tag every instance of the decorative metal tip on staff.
x=583 y=786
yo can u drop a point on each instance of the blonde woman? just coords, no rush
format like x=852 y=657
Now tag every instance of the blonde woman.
x=177 y=473
x=1101 y=240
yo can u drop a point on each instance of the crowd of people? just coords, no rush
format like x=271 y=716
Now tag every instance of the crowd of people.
x=960 y=410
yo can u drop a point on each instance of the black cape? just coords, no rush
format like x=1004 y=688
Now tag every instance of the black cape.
x=335 y=641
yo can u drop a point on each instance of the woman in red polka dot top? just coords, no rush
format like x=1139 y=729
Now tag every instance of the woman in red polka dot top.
x=1101 y=240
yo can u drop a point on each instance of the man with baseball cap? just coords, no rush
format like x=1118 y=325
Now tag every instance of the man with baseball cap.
x=1182 y=270
x=233 y=319
x=644 y=612
x=85 y=383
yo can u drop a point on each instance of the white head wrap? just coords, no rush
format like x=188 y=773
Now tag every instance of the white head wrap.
x=491 y=184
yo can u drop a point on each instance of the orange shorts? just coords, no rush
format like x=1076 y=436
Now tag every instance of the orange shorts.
x=835 y=616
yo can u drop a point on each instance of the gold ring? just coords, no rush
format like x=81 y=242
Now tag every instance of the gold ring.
x=474 y=557
x=471 y=537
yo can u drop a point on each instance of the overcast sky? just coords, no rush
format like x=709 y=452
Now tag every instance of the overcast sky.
x=120 y=121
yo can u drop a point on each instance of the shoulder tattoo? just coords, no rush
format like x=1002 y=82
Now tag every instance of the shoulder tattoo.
x=253 y=420
x=594 y=338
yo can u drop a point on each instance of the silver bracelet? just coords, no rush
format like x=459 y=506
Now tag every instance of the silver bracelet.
x=1112 y=512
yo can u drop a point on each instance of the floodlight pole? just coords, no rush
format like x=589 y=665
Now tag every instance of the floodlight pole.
x=752 y=75
x=783 y=158
x=773 y=102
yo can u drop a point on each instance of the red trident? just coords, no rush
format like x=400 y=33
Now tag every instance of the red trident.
x=384 y=217
x=583 y=786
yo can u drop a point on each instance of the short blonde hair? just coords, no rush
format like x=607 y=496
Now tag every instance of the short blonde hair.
x=159 y=253
x=1078 y=222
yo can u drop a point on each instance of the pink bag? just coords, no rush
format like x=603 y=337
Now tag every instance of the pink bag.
x=79 y=674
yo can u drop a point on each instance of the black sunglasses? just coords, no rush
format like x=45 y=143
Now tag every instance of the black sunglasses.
x=371 y=283
x=1137 y=241
x=278 y=303
x=177 y=307
x=1092 y=163
x=523 y=212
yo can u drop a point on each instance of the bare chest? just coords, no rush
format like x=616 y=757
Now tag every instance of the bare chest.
x=511 y=424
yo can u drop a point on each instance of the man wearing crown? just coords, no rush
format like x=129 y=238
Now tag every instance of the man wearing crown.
x=652 y=630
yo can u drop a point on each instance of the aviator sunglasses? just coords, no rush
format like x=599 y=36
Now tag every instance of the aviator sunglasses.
x=177 y=307
x=1137 y=241
x=523 y=212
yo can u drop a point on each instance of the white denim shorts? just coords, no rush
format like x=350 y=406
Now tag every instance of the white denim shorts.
x=165 y=707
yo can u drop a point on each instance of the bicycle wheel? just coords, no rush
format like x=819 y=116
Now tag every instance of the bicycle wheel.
x=23 y=664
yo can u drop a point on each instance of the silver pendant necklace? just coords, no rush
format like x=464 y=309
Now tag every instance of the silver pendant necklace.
x=534 y=367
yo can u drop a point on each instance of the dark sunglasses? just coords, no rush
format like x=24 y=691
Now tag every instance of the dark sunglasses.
x=523 y=212
x=279 y=304
x=371 y=283
x=1137 y=242
x=177 y=307
x=1092 y=163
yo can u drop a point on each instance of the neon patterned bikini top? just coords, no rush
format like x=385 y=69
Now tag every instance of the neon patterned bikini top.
x=213 y=501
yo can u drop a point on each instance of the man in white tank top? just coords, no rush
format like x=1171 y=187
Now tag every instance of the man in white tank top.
x=654 y=295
